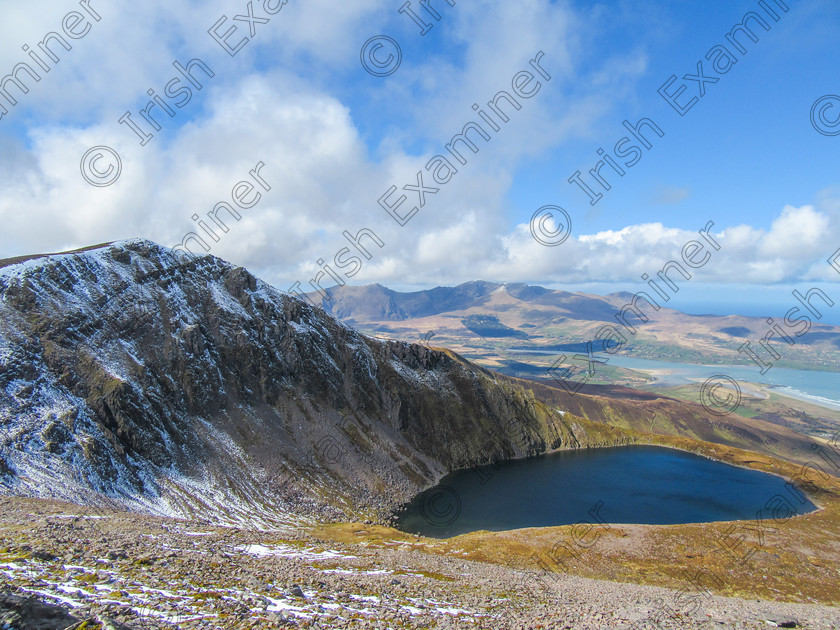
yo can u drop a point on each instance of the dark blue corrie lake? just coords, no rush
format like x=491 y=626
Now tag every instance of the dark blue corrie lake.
x=631 y=484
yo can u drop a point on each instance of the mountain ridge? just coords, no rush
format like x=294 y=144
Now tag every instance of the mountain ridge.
x=185 y=385
x=637 y=327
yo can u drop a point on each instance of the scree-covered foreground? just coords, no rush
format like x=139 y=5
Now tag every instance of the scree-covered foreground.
x=114 y=570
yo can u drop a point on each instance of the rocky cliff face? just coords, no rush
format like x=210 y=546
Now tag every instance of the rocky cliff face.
x=185 y=385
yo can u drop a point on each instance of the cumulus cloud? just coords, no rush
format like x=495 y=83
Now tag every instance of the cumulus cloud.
x=794 y=249
x=291 y=100
x=796 y=234
x=325 y=181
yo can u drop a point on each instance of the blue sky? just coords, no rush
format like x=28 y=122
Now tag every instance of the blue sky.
x=334 y=138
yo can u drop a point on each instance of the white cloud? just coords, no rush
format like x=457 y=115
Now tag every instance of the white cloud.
x=269 y=105
x=797 y=234
x=323 y=182
x=794 y=249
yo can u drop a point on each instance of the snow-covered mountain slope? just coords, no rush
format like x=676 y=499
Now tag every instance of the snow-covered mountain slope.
x=184 y=385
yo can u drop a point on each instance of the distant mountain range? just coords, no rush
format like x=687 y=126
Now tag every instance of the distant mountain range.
x=492 y=321
x=374 y=302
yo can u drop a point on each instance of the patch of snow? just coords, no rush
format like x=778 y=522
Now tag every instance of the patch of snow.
x=290 y=552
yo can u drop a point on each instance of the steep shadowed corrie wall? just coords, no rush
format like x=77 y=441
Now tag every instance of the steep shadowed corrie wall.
x=185 y=385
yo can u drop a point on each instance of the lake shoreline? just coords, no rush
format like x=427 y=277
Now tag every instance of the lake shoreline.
x=534 y=482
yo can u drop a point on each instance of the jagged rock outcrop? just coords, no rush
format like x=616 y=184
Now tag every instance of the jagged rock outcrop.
x=185 y=385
